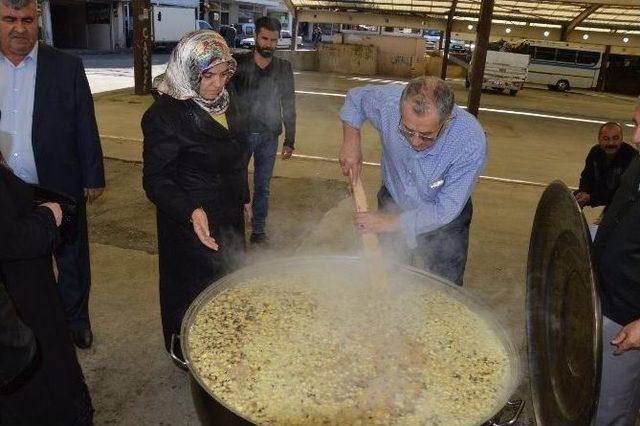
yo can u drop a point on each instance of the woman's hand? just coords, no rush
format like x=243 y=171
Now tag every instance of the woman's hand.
x=201 y=228
x=56 y=210
x=248 y=213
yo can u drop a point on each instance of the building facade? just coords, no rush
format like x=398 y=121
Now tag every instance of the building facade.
x=108 y=25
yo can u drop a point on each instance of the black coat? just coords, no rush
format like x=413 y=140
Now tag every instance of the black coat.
x=66 y=145
x=601 y=175
x=617 y=250
x=53 y=390
x=192 y=161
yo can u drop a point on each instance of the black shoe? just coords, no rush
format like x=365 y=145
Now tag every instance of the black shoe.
x=259 y=240
x=82 y=338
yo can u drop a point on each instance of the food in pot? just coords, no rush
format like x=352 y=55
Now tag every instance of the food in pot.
x=295 y=350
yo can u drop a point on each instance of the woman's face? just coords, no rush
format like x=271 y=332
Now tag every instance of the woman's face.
x=213 y=81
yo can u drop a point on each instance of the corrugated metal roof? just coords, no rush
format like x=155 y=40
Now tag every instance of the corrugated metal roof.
x=605 y=16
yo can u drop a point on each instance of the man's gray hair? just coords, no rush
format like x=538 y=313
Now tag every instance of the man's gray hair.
x=428 y=93
x=18 y=4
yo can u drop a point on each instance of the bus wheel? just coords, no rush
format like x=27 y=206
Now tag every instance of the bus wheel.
x=563 y=86
x=513 y=92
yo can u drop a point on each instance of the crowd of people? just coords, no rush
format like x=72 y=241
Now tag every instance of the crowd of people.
x=215 y=112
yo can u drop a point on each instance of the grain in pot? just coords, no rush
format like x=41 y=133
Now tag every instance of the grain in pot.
x=296 y=350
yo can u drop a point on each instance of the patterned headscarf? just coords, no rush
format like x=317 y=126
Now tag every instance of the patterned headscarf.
x=197 y=52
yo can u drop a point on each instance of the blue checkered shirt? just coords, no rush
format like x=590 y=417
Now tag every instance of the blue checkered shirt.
x=431 y=186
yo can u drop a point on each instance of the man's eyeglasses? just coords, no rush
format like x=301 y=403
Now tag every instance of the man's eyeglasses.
x=410 y=134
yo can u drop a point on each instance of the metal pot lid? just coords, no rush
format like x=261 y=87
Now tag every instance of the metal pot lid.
x=563 y=313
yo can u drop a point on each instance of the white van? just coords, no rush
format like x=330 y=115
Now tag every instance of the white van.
x=504 y=71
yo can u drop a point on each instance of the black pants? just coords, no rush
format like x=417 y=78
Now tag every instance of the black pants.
x=442 y=252
x=74 y=273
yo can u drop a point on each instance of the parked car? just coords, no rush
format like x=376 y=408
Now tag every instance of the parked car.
x=283 y=43
x=285 y=40
x=431 y=39
x=243 y=31
x=504 y=71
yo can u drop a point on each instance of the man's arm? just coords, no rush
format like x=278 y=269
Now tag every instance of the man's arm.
x=587 y=181
x=87 y=137
x=361 y=104
x=350 y=152
x=288 y=101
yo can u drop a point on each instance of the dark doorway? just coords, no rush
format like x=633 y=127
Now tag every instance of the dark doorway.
x=69 y=24
x=623 y=75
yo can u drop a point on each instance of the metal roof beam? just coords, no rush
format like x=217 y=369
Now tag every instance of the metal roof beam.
x=566 y=30
x=376 y=19
x=290 y=6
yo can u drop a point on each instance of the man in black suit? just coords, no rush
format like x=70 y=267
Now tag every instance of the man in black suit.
x=49 y=136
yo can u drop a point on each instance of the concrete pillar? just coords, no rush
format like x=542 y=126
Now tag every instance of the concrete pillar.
x=294 y=33
x=45 y=22
x=447 y=40
x=602 y=75
x=233 y=12
x=290 y=22
x=120 y=36
x=480 y=56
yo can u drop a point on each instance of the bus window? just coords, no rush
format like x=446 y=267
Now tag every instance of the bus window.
x=565 y=55
x=588 y=58
x=545 y=53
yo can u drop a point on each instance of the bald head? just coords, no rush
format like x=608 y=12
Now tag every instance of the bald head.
x=610 y=137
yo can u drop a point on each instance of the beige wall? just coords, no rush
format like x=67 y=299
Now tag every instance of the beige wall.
x=347 y=59
x=301 y=60
x=400 y=56
x=433 y=66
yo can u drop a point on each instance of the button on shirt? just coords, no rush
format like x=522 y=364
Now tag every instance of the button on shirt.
x=430 y=186
x=17 y=92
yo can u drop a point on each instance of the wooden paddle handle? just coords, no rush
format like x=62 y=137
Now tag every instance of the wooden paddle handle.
x=369 y=241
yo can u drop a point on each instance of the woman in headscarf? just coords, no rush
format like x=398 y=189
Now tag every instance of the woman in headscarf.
x=195 y=173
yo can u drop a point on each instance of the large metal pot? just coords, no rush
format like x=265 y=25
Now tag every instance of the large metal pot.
x=211 y=408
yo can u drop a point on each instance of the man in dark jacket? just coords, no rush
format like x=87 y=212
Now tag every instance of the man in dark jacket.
x=617 y=258
x=49 y=136
x=604 y=165
x=262 y=100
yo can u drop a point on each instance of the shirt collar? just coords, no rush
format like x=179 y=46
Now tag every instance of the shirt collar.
x=31 y=56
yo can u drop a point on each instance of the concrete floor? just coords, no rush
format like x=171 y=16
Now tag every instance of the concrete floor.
x=131 y=379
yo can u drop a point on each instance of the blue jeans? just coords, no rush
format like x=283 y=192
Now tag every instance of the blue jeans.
x=263 y=147
x=442 y=252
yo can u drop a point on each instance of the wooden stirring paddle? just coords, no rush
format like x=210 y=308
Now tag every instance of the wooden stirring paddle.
x=370 y=243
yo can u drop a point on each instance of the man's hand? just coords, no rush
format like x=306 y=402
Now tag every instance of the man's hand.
x=287 y=152
x=628 y=338
x=350 y=153
x=92 y=194
x=248 y=213
x=56 y=210
x=583 y=198
x=376 y=222
x=201 y=228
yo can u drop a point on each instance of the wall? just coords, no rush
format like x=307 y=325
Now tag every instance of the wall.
x=301 y=60
x=398 y=55
x=347 y=59
x=99 y=36
x=433 y=66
